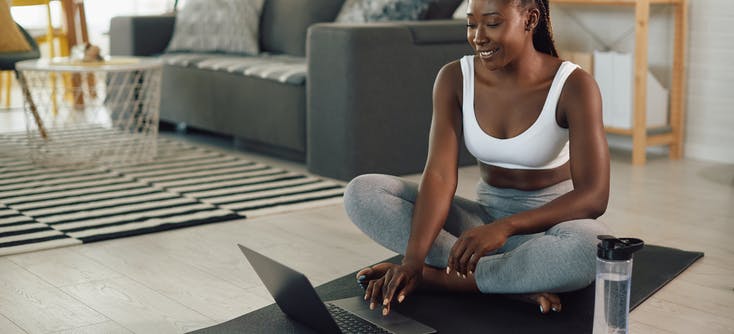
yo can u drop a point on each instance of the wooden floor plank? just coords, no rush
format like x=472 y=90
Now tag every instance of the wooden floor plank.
x=207 y=294
x=63 y=267
x=680 y=318
x=639 y=327
x=717 y=301
x=109 y=327
x=38 y=307
x=8 y=327
x=138 y=308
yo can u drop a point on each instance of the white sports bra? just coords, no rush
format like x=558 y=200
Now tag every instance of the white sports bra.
x=544 y=145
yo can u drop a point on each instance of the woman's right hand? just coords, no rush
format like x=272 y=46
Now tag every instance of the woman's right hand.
x=388 y=280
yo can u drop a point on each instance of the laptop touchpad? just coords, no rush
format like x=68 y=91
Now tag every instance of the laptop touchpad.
x=394 y=322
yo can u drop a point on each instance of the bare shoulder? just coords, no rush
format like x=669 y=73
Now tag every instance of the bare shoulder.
x=580 y=94
x=452 y=69
x=449 y=80
x=581 y=84
x=580 y=100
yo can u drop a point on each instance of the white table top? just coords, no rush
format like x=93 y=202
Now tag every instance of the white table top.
x=112 y=64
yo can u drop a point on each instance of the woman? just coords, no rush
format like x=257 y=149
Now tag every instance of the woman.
x=534 y=123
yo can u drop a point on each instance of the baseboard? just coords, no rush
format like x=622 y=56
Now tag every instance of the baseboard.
x=722 y=153
x=625 y=143
x=267 y=149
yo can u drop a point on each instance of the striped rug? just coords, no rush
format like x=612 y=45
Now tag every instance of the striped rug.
x=185 y=185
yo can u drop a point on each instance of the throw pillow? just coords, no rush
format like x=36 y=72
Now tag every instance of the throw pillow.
x=229 y=26
x=12 y=39
x=460 y=12
x=354 y=11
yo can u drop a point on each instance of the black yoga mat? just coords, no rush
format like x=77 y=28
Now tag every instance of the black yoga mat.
x=654 y=266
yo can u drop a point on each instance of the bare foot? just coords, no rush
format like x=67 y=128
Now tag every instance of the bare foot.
x=547 y=302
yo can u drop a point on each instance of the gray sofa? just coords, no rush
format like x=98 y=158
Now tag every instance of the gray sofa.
x=355 y=98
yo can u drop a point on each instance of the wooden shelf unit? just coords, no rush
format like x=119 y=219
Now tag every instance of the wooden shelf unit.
x=641 y=137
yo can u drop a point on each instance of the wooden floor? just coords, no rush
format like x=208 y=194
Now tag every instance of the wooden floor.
x=181 y=280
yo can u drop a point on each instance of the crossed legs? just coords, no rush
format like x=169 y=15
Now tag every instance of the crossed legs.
x=559 y=260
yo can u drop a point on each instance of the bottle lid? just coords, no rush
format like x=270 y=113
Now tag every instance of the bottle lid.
x=617 y=249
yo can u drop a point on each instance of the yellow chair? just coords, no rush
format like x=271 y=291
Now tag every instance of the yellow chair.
x=52 y=33
x=49 y=37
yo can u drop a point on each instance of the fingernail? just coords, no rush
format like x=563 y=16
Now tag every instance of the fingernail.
x=471 y=272
x=365 y=296
x=372 y=306
x=361 y=278
x=463 y=276
x=541 y=309
x=458 y=274
x=554 y=309
x=400 y=298
x=448 y=270
x=384 y=302
x=384 y=311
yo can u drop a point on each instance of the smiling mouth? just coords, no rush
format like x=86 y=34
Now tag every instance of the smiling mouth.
x=487 y=54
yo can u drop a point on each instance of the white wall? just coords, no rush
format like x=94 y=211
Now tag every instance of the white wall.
x=710 y=120
x=709 y=133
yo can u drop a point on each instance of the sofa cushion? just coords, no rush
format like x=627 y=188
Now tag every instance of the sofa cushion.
x=183 y=59
x=218 y=25
x=280 y=68
x=284 y=23
x=355 y=11
x=460 y=12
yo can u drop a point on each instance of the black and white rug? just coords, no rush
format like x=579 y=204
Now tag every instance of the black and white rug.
x=185 y=185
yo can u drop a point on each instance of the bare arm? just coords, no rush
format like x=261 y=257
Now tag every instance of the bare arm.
x=589 y=161
x=439 y=180
x=435 y=193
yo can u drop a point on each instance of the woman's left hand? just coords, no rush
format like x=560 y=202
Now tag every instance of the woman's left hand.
x=475 y=243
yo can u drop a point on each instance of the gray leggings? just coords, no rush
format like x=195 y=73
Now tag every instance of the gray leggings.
x=557 y=260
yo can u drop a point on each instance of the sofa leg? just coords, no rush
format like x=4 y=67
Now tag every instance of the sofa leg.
x=181 y=128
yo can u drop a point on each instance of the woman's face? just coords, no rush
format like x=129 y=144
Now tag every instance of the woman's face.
x=496 y=30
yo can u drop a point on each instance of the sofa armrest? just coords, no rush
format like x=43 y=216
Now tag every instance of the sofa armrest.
x=140 y=35
x=369 y=94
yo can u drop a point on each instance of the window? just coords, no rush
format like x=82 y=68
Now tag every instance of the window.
x=98 y=12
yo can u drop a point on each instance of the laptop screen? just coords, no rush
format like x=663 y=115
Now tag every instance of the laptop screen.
x=292 y=291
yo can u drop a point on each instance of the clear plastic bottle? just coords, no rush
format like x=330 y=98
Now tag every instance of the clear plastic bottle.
x=613 y=277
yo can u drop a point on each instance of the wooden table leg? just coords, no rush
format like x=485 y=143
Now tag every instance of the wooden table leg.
x=31 y=105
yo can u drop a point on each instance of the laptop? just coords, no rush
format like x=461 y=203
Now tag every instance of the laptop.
x=297 y=298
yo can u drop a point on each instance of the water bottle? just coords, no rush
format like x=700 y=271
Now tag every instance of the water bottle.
x=613 y=275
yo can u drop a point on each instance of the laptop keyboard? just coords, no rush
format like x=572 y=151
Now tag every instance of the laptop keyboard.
x=350 y=323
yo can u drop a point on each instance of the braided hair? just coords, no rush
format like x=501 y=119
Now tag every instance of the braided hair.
x=543 y=34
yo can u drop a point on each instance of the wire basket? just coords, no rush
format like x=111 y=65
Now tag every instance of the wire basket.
x=91 y=114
